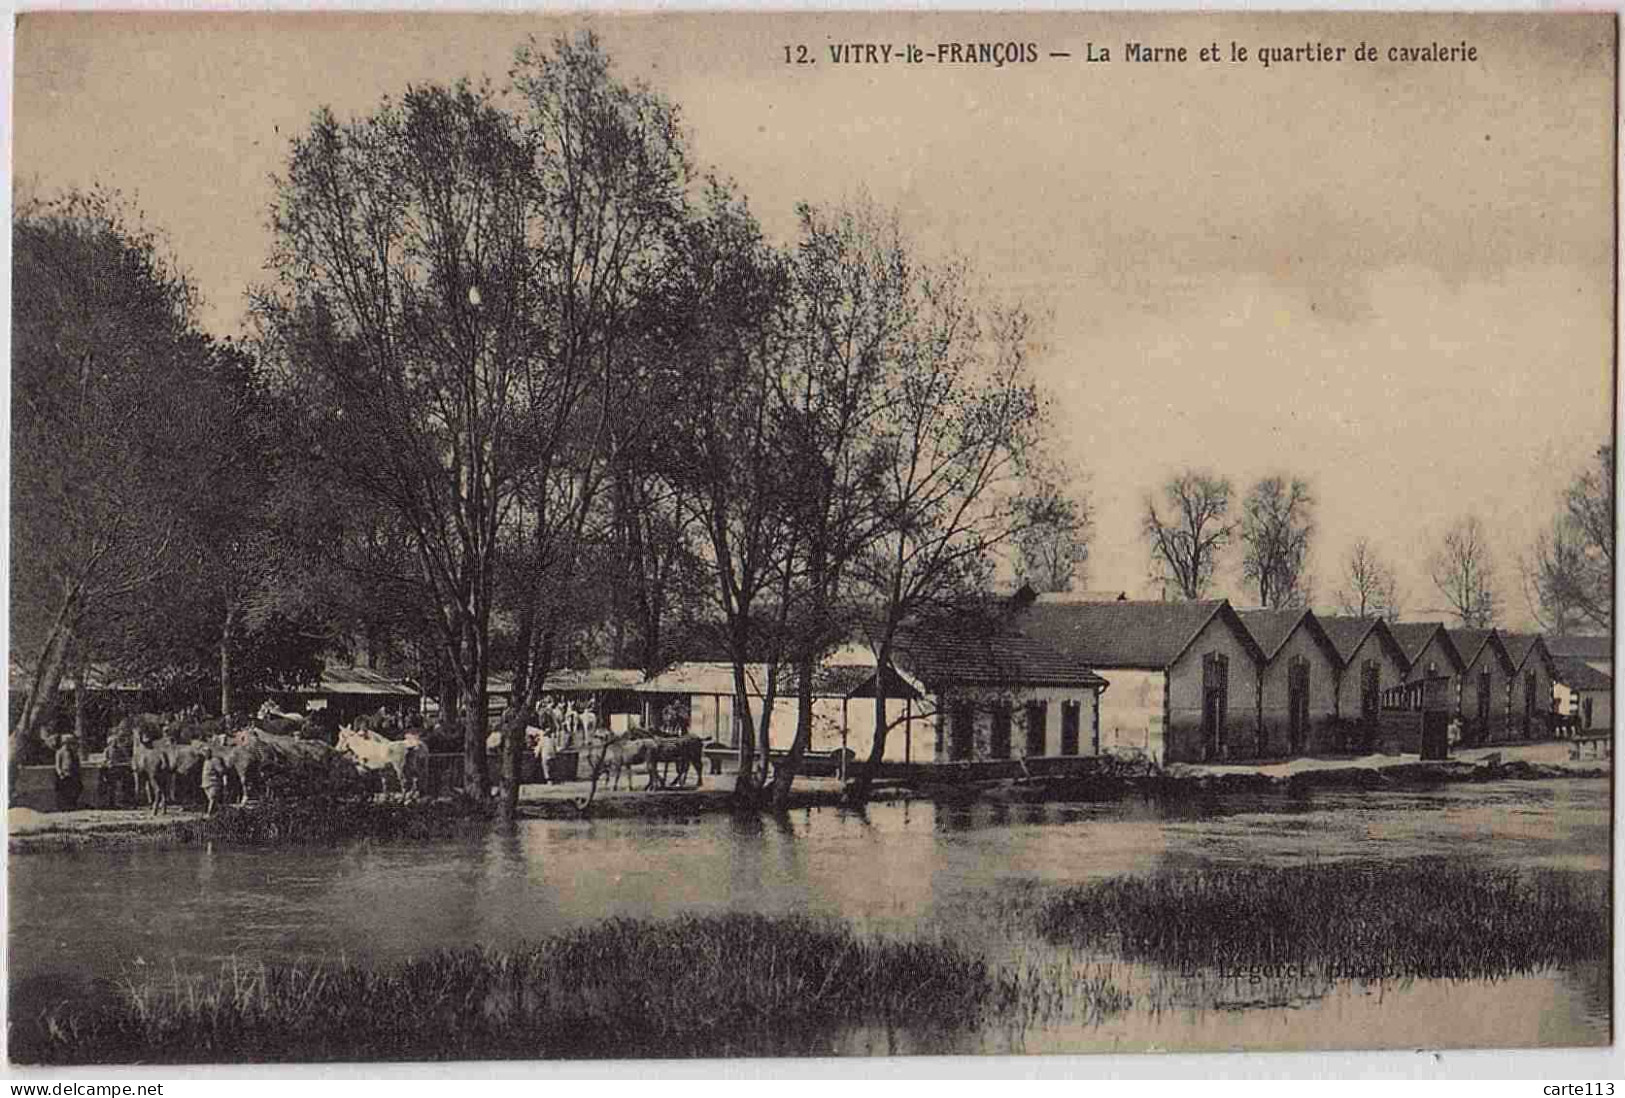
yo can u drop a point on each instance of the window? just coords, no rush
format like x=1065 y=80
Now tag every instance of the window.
x=1037 y=727
x=962 y=735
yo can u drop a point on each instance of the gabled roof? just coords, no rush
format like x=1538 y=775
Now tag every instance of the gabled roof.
x=1521 y=646
x=1576 y=674
x=1585 y=648
x=1348 y=634
x=1273 y=628
x=845 y=680
x=944 y=659
x=1129 y=634
x=1472 y=642
x=1415 y=636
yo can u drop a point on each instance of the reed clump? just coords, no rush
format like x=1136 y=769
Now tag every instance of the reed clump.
x=1425 y=917
x=698 y=986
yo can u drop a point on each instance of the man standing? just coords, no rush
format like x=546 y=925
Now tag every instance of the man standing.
x=116 y=774
x=69 y=782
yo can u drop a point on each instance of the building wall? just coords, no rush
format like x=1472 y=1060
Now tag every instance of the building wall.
x=1239 y=737
x=1323 y=686
x=1434 y=655
x=1390 y=673
x=1496 y=718
x=1131 y=714
x=1542 y=698
x=1573 y=702
x=1053 y=697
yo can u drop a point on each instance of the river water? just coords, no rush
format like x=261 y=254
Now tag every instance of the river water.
x=899 y=868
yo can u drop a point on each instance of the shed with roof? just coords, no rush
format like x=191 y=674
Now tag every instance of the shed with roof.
x=1298 y=682
x=1184 y=675
x=1530 y=687
x=1374 y=663
x=1482 y=693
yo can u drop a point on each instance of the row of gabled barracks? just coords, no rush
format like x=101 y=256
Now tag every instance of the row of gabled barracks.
x=1201 y=680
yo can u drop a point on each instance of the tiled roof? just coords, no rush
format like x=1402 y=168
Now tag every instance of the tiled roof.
x=849 y=681
x=1585 y=648
x=1470 y=642
x=1414 y=636
x=714 y=677
x=1271 y=628
x=1576 y=674
x=1127 y=634
x=943 y=659
x=1519 y=645
x=1347 y=634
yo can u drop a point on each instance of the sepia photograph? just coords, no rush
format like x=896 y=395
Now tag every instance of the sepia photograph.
x=611 y=536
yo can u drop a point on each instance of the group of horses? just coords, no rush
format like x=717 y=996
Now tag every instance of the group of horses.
x=275 y=753
x=562 y=727
x=272 y=753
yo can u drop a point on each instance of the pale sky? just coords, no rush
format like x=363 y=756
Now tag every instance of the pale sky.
x=1392 y=279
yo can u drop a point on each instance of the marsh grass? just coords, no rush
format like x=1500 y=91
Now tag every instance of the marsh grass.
x=719 y=985
x=1420 y=918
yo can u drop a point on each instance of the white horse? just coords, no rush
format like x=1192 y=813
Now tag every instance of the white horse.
x=373 y=752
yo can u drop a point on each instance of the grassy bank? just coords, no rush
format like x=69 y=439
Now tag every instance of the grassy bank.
x=314 y=821
x=1423 y=917
x=714 y=986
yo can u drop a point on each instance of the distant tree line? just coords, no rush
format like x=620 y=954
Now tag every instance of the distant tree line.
x=1567 y=575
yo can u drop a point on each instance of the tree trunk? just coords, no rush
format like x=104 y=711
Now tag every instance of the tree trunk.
x=791 y=765
x=81 y=673
x=226 y=699
x=859 y=793
x=42 y=695
x=745 y=781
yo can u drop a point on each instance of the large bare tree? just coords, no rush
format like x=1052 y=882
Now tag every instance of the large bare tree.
x=1190 y=531
x=1570 y=575
x=1463 y=570
x=1277 y=527
x=1370 y=589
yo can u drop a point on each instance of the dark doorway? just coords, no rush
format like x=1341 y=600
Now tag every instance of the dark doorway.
x=962 y=734
x=1215 y=703
x=1297 y=701
x=1370 y=703
x=1000 y=747
x=1037 y=727
x=1528 y=704
x=1069 y=728
x=1483 y=705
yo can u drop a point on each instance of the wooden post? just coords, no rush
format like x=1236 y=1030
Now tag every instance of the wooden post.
x=908 y=730
x=844 y=704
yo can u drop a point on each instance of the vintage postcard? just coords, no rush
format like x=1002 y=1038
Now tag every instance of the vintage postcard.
x=609 y=536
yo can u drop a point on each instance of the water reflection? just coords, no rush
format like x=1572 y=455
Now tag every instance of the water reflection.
x=962 y=871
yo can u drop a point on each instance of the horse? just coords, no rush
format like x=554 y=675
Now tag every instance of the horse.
x=374 y=752
x=150 y=761
x=616 y=754
x=685 y=751
x=255 y=753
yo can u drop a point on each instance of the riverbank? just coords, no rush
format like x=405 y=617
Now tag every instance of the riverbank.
x=33 y=832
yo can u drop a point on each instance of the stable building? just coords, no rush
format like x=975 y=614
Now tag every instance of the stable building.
x=1483 y=696
x=1298 y=682
x=1531 y=684
x=1430 y=655
x=1374 y=664
x=1184 y=675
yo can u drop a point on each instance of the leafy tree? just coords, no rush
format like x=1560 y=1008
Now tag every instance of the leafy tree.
x=1369 y=588
x=107 y=362
x=1463 y=570
x=1188 y=534
x=1276 y=528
